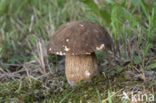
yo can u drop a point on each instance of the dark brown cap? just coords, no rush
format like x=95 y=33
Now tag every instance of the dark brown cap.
x=79 y=37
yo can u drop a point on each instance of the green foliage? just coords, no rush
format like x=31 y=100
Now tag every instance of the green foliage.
x=62 y=100
x=99 y=97
x=3 y=7
x=118 y=16
x=137 y=60
x=152 y=25
x=151 y=66
x=103 y=13
x=109 y=97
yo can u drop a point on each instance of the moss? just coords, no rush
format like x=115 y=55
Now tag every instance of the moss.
x=36 y=92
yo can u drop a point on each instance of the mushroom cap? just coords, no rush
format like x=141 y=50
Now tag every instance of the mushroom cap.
x=79 y=37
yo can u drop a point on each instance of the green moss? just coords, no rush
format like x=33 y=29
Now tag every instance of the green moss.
x=61 y=91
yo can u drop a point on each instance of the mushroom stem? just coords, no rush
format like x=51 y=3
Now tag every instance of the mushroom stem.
x=80 y=67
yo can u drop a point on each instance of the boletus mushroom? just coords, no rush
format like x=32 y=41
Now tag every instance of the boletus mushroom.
x=78 y=41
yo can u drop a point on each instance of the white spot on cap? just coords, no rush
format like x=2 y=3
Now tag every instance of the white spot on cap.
x=67 y=40
x=66 y=48
x=49 y=49
x=87 y=53
x=61 y=53
x=87 y=73
x=101 y=47
x=57 y=53
x=81 y=25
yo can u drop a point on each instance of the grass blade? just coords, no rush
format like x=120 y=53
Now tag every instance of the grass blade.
x=99 y=97
x=66 y=96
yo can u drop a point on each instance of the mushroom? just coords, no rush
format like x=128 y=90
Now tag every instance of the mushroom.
x=78 y=41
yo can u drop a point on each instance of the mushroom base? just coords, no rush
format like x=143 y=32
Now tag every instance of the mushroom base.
x=81 y=67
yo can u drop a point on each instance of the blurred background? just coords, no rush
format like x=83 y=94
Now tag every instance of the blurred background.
x=27 y=25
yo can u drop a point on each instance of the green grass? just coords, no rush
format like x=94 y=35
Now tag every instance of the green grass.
x=24 y=24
